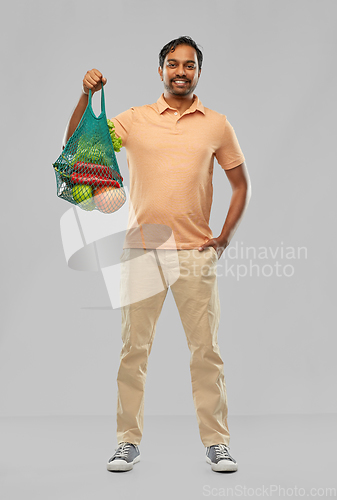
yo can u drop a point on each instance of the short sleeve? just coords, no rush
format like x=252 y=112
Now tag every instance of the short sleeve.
x=229 y=154
x=123 y=124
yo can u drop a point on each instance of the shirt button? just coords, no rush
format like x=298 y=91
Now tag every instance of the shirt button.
x=178 y=121
x=175 y=112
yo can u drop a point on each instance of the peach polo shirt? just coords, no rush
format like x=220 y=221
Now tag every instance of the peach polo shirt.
x=170 y=160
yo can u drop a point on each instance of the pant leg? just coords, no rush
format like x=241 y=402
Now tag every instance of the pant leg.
x=140 y=276
x=197 y=298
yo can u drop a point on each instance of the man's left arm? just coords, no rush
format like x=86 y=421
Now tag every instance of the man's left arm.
x=241 y=193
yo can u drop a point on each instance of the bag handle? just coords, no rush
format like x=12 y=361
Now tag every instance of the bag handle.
x=102 y=100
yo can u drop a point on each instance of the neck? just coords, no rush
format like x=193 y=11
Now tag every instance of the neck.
x=181 y=103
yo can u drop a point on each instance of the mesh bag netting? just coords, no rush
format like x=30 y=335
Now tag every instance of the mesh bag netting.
x=87 y=172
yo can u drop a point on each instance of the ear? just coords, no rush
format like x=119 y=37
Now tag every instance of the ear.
x=160 y=71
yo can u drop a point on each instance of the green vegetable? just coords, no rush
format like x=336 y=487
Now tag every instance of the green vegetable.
x=116 y=141
x=82 y=194
x=88 y=150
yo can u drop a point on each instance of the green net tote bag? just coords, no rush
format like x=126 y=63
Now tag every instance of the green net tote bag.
x=87 y=172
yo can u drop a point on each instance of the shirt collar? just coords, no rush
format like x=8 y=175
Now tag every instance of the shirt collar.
x=196 y=105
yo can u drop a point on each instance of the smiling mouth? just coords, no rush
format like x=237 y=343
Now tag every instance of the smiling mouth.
x=180 y=82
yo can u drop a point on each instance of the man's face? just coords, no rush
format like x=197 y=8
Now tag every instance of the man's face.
x=180 y=73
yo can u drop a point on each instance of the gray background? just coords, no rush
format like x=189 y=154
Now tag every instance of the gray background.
x=270 y=67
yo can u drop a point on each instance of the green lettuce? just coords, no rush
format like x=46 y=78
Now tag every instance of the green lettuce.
x=116 y=141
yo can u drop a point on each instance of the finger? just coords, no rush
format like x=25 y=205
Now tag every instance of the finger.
x=93 y=79
x=90 y=81
x=99 y=81
x=97 y=73
x=98 y=77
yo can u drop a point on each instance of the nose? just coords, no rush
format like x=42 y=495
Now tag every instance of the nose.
x=180 y=71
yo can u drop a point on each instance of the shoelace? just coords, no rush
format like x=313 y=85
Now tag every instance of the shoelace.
x=122 y=450
x=221 y=451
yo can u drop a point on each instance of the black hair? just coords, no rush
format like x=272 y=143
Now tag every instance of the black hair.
x=182 y=40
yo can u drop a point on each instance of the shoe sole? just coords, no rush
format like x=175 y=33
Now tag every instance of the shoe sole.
x=122 y=464
x=222 y=467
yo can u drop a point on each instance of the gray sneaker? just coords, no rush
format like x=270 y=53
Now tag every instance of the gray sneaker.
x=219 y=458
x=125 y=456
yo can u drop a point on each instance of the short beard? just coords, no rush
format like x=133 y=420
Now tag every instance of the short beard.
x=171 y=90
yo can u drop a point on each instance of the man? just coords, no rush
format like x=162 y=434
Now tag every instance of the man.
x=171 y=146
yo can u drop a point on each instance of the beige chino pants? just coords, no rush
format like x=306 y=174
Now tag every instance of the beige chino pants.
x=146 y=276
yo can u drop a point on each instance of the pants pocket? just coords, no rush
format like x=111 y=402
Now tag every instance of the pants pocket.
x=214 y=251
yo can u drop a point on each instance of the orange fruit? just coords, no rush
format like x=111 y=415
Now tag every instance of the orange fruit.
x=107 y=199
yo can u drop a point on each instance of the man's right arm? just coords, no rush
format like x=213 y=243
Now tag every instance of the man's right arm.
x=92 y=80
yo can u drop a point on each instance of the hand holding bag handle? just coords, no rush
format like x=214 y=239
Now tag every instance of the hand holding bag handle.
x=102 y=104
x=87 y=172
